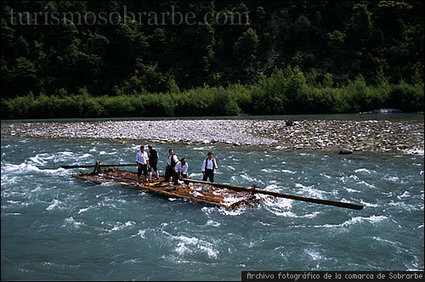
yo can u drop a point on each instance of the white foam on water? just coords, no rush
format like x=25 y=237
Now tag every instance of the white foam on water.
x=391 y=178
x=362 y=170
x=310 y=215
x=121 y=226
x=72 y=222
x=17 y=203
x=284 y=214
x=404 y=206
x=345 y=179
x=310 y=190
x=55 y=204
x=277 y=204
x=13 y=213
x=86 y=155
x=24 y=168
x=355 y=220
x=182 y=249
x=37 y=189
x=208 y=210
x=133 y=261
x=251 y=179
x=405 y=194
x=291 y=214
x=288 y=171
x=325 y=175
x=105 y=204
x=369 y=204
x=175 y=259
x=6 y=194
x=352 y=190
x=84 y=210
x=367 y=184
x=379 y=239
x=213 y=223
x=107 y=184
x=140 y=233
x=272 y=187
x=13 y=202
x=186 y=245
x=39 y=159
x=234 y=212
x=270 y=170
x=231 y=167
x=249 y=244
x=314 y=254
x=6 y=179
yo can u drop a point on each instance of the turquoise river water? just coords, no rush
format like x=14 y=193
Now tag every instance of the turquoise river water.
x=54 y=226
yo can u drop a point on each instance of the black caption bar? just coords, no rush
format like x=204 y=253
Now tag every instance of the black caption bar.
x=331 y=275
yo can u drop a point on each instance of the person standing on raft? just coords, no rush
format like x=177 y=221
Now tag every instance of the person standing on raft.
x=170 y=173
x=208 y=167
x=181 y=169
x=153 y=162
x=142 y=161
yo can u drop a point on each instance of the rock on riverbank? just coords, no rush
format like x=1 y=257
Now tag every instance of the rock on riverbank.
x=368 y=135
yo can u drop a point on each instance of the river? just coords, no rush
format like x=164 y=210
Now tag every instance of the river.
x=54 y=226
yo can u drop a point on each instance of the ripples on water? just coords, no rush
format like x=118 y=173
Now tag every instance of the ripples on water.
x=58 y=227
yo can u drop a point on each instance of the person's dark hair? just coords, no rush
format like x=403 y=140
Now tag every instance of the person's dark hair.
x=142 y=147
x=150 y=146
x=182 y=159
x=169 y=151
x=210 y=153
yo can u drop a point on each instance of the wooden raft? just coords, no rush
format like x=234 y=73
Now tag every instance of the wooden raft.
x=205 y=193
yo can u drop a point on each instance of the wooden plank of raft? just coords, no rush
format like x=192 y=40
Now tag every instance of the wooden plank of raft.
x=87 y=166
x=155 y=189
x=282 y=195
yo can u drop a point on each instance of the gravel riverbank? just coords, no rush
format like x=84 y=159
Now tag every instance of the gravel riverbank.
x=331 y=135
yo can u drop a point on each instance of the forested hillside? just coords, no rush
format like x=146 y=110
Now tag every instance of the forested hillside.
x=275 y=57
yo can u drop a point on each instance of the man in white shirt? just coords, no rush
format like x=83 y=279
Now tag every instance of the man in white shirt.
x=142 y=161
x=181 y=169
x=208 y=167
x=172 y=161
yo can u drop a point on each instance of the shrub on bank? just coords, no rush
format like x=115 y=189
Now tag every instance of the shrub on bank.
x=407 y=97
x=283 y=92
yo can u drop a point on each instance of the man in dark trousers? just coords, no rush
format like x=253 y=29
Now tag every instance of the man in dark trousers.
x=208 y=167
x=170 y=173
x=153 y=162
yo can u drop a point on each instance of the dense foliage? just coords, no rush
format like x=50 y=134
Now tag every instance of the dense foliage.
x=286 y=57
